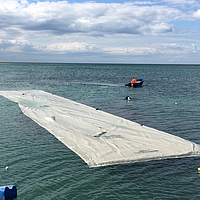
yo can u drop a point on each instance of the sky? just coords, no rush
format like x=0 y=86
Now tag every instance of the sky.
x=100 y=31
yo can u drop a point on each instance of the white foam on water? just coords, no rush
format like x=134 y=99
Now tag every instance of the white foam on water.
x=99 y=138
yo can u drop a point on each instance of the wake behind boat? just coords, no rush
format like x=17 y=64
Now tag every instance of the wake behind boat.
x=138 y=83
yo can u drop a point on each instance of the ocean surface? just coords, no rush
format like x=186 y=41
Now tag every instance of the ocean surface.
x=42 y=168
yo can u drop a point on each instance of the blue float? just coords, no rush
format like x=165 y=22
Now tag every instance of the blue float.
x=8 y=192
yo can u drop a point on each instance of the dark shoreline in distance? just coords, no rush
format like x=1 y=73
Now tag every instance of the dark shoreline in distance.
x=50 y=63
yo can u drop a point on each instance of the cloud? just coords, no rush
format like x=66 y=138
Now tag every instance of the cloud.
x=136 y=28
x=63 y=48
x=130 y=50
x=183 y=4
x=75 y=46
x=17 y=46
x=144 y=2
x=60 y=18
x=197 y=14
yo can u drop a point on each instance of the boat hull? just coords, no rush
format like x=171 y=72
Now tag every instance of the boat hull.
x=138 y=84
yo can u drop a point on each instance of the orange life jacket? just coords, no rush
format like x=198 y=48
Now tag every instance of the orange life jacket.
x=133 y=80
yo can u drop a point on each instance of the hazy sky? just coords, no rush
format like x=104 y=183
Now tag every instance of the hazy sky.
x=105 y=31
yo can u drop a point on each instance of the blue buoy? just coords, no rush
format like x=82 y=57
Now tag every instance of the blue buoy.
x=8 y=192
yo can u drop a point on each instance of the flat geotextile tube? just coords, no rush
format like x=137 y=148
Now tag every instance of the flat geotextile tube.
x=99 y=138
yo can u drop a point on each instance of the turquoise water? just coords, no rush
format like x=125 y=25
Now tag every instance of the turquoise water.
x=42 y=168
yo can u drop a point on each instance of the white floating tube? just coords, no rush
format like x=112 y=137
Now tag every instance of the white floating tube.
x=99 y=138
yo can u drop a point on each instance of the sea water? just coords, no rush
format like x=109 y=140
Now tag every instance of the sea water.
x=42 y=168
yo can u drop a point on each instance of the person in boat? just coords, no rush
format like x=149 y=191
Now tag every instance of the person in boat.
x=133 y=81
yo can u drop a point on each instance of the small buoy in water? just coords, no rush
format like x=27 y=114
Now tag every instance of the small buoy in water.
x=6 y=168
x=128 y=98
x=175 y=102
x=199 y=169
